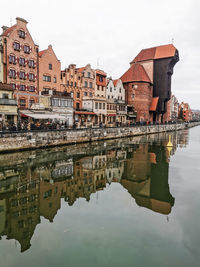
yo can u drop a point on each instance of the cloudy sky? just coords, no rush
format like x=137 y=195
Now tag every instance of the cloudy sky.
x=110 y=33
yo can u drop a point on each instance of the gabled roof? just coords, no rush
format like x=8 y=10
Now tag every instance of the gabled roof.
x=42 y=52
x=81 y=69
x=163 y=51
x=9 y=30
x=136 y=73
x=115 y=82
x=100 y=72
x=154 y=104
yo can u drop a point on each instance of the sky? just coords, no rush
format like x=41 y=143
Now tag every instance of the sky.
x=108 y=34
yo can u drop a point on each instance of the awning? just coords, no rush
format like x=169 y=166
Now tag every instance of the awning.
x=84 y=113
x=154 y=104
x=111 y=115
x=43 y=116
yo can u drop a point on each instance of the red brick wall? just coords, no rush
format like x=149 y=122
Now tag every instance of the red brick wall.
x=11 y=37
x=49 y=57
x=140 y=96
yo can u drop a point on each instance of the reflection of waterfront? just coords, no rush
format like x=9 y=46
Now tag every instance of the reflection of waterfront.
x=33 y=185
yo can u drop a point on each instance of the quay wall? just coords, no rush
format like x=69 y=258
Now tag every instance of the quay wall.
x=15 y=141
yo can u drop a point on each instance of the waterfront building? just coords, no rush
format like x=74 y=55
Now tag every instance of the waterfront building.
x=119 y=98
x=138 y=88
x=1 y=61
x=100 y=101
x=158 y=63
x=71 y=83
x=85 y=117
x=49 y=72
x=8 y=105
x=111 y=103
x=185 y=112
x=174 y=107
x=20 y=62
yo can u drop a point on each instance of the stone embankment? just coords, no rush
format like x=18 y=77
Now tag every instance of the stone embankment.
x=15 y=141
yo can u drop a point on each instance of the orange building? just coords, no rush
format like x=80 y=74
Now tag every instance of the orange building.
x=49 y=72
x=71 y=83
x=20 y=61
x=185 y=112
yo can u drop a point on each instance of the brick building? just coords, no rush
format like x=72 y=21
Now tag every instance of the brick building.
x=20 y=61
x=158 y=63
x=49 y=72
x=138 y=88
x=185 y=112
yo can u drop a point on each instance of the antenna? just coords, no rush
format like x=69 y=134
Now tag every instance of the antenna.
x=10 y=21
x=172 y=40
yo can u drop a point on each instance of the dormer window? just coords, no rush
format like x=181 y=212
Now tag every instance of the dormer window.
x=16 y=46
x=50 y=66
x=27 y=49
x=22 y=34
x=101 y=78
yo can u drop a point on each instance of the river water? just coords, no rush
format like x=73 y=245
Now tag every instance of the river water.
x=128 y=202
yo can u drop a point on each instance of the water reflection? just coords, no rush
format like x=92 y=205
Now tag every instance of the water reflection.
x=33 y=184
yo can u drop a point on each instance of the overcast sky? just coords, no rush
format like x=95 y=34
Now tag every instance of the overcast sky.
x=109 y=34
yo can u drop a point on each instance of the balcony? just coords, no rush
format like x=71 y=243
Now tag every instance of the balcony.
x=9 y=102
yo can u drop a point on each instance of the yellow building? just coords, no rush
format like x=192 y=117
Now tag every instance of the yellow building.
x=8 y=105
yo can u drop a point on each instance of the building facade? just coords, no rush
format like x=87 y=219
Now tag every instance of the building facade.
x=49 y=72
x=20 y=62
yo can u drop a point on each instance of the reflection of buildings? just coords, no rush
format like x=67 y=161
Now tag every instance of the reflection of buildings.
x=35 y=189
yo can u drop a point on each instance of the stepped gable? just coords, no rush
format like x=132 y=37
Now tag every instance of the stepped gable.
x=136 y=73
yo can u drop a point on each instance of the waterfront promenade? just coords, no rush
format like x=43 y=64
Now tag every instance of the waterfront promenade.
x=27 y=140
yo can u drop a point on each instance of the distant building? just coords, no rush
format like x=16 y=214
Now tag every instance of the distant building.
x=20 y=61
x=185 y=112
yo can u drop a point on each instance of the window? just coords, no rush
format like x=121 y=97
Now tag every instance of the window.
x=31 y=88
x=31 y=77
x=72 y=84
x=46 y=78
x=45 y=91
x=27 y=49
x=31 y=102
x=31 y=63
x=67 y=83
x=22 y=102
x=78 y=95
x=22 y=87
x=85 y=94
x=86 y=84
x=12 y=73
x=90 y=93
x=110 y=89
x=96 y=105
x=104 y=105
x=77 y=105
x=101 y=78
x=120 y=90
x=22 y=34
x=12 y=59
x=50 y=66
x=22 y=75
x=75 y=84
x=100 y=104
x=108 y=97
x=22 y=61
x=13 y=86
x=16 y=46
x=54 y=79
x=5 y=96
